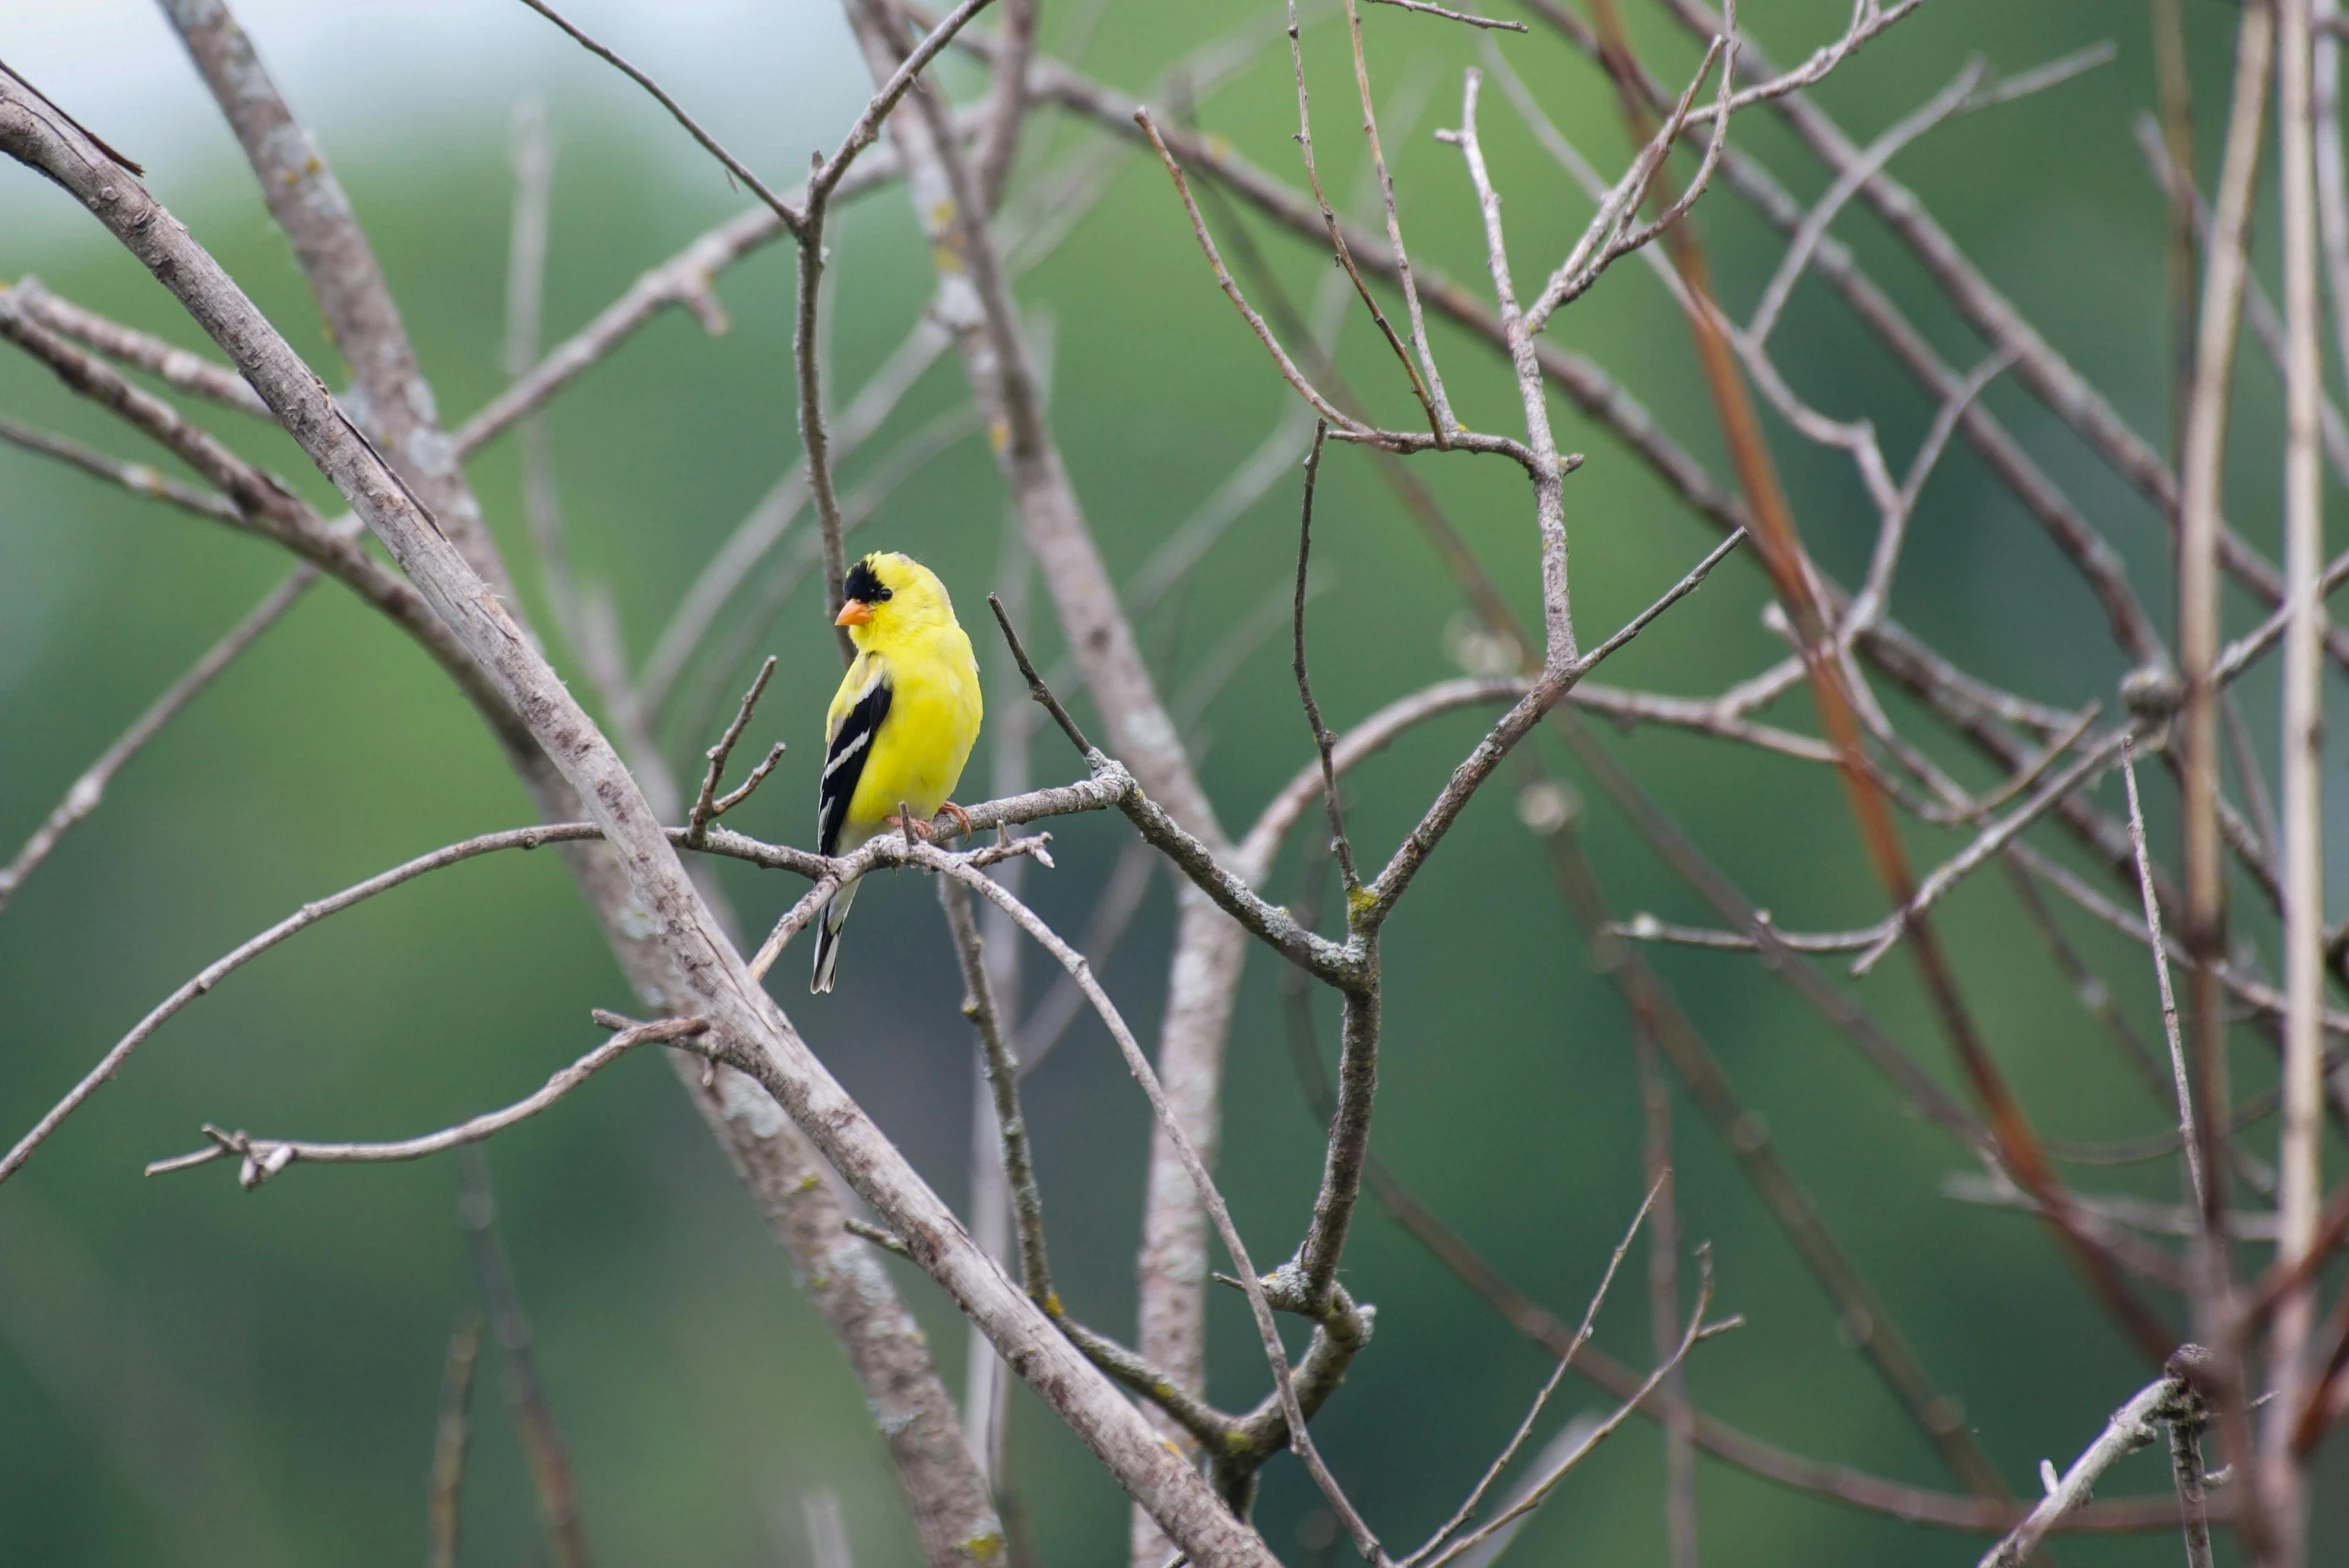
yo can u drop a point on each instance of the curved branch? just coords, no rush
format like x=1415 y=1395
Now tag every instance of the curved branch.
x=265 y=1157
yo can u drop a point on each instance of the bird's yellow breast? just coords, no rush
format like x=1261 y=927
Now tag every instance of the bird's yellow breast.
x=934 y=713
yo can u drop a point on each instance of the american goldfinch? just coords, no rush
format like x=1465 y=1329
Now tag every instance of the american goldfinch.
x=901 y=725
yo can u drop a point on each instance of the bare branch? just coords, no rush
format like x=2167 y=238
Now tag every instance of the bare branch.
x=706 y=806
x=1539 y=697
x=1255 y=852
x=1139 y=1065
x=550 y=1462
x=2190 y=1139
x=212 y=974
x=2131 y=1428
x=90 y=789
x=1445 y=423
x=1484 y=1485
x=1862 y=1315
x=1323 y=741
x=2299 y=1153
x=174 y=366
x=764 y=527
x=1941 y=106
x=137 y=478
x=1538 y=1493
x=1002 y=1071
x=263 y=1158
x=1007 y=105
x=1422 y=7
x=790 y=218
x=1545 y=467
x=2090 y=765
x=1223 y=278
x=308 y=202
x=1337 y=232
x=2202 y=463
x=1094 y=795
x=452 y=1435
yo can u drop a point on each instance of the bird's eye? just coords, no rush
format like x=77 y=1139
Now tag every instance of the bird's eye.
x=884 y=596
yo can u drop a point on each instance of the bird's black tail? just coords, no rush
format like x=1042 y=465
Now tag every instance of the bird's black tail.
x=828 y=926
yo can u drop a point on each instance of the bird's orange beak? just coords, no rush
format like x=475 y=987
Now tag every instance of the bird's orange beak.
x=854 y=613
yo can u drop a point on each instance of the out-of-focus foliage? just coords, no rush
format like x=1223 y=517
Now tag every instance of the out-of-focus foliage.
x=189 y=1374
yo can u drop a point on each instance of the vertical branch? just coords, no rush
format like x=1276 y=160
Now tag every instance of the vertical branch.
x=1003 y=1081
x=526 y=257
x=2186 y=1423
x=1680 y=1506
x=1444 y=422
x=2189 y=1137
x=2298 y=1159
x=1337 y=232
x=550 y=1464
x=2203 y=930
x=2332 y=168
x=452 y=1435
x=1007 y=102
x=2177 y=136
x=1549 y=495
x=986 y=1401
x=2202 y=466
x=807 y=350
x=1323 y=740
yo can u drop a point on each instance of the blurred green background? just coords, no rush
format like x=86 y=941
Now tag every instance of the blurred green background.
x=192 y=1375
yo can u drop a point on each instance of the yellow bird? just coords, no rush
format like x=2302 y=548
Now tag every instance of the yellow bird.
x=901 y=725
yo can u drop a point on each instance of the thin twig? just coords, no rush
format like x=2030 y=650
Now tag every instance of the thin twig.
x=1863 y=1317
x=1477 y=1494
x=706 y=807
x=2186 y=1424
x=176 y=367
x=452 y=1435
x=1548 y=472
x=1095 y=794
x=89 y=790
x=1337 y=231
x=1139 y=1065
x=791 y=219
x=1425 y=9
x=1007 y=107
x=533 y=158
x=1002 y=1071
x=1538 y=1493
x=1445 y=423
x=137 y=478
x=1323 y=741
x=1223 y=278
x=262 y=1158
x=2131 y=1428
x=550 y=1461
x=1797 y=587
x=2190 y=1139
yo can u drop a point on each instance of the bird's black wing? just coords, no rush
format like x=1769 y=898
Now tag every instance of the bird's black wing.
x=844 y=760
